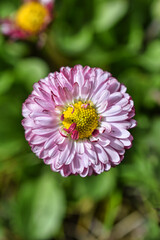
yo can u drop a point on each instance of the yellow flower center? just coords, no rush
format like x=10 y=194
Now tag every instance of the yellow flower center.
x=84 y=116
x=31 y=17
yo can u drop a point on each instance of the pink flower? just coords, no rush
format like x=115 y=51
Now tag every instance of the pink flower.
x=77 y=120
x=31 y=19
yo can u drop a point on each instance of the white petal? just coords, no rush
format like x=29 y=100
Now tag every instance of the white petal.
x=117 y=118
x=80 y=147
x=119 y=132
x=102 y=155
x=114 y=156
x=112 y=111
x=66 y=152
x=37 y=140
x=114 y=98
x=42 y=131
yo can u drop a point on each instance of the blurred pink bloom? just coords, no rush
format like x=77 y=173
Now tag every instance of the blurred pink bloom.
x=30 y=19
x=77 y=120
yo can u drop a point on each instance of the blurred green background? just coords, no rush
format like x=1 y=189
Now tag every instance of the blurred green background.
x=119 y=36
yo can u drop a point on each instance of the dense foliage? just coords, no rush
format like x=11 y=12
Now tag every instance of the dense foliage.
x=122 y=37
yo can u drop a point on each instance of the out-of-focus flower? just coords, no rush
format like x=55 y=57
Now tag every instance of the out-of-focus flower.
x=30 y=19
x=77 y=120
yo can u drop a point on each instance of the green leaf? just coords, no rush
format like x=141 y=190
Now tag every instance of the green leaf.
x=16 y=49
x=108 y=13
x=31 y=70
x=113 y=207
x=138 y=85
x=136 y=35
x=6 y=8
x=6 y=80
x=96 y=187
x=101 y=58
x=75 y=43
x=154 y=137
x=150 y=60
x=2 y=232
x=155 y=9
x=39 y=209
x=10 y=148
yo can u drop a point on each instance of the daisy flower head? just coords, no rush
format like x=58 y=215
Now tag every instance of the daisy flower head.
x=77 y=120
x=30 y=19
